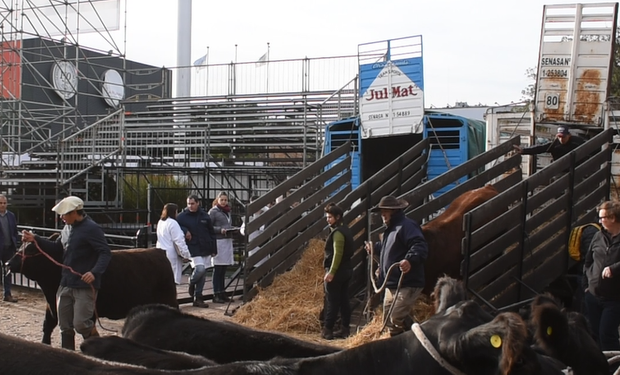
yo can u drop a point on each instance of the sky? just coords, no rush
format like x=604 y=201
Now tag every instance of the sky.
x=474 y=51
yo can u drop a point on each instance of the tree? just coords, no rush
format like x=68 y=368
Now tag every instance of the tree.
x=527 y=94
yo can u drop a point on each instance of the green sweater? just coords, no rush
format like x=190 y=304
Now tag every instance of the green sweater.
x=338 y=239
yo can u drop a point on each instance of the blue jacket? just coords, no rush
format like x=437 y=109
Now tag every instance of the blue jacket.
x=199 y=224
x=402 y=239
x=12 y=229
x=85 y=250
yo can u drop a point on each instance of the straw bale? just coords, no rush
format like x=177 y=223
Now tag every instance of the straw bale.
x=293 y=302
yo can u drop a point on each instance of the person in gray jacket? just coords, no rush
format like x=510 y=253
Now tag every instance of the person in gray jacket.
x=220 y=214
x=602 y=278
x=86 y=257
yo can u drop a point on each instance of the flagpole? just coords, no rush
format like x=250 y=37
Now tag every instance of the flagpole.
x=268 y=48
x=207 y=61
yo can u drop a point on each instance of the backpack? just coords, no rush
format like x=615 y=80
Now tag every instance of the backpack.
x=574 y=242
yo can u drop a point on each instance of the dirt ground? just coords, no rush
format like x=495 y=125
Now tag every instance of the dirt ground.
x=24 y=319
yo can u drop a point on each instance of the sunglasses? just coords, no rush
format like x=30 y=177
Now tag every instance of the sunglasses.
x=604 y=217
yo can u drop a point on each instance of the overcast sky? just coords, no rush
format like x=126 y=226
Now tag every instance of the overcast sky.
x=475 y=51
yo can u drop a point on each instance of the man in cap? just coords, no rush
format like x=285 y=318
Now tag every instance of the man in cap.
x=403 y=243
x=563 y=144
x=8 y=244
x=86 y=253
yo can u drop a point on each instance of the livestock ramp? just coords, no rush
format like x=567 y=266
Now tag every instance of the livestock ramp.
x=517 y=243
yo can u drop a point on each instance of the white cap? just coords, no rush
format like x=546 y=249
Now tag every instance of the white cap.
x=67 y=205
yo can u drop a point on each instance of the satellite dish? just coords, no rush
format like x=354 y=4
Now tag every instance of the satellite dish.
x=112 y=88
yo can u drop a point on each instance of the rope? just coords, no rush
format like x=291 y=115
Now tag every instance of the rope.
x=97 y=319
x=379 y=290
x=417 y=330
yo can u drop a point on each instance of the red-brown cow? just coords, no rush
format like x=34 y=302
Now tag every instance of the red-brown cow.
x=444 y=234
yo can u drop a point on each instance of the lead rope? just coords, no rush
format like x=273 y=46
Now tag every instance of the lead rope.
x=432 y=351
x=97 y=320
x=379 y=290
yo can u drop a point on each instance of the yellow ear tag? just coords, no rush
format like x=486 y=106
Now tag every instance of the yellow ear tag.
x=549 y=331
x=496 y=341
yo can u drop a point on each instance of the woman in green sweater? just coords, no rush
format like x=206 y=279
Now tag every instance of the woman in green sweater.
x=338 y=271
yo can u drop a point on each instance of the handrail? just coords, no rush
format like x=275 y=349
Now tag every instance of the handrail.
x=89 y=127
x=338 y=91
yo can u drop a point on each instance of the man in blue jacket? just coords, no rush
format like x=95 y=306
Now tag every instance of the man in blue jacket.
x=86 y=257
x=8 y=245
x=402 y=244
x=200 y=237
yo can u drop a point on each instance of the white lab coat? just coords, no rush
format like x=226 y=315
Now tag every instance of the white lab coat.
x=169 y=232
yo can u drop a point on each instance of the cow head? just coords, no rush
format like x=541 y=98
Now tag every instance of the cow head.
x=471 y=341
x=29 y=260
x=566 y=336
x=448 y=292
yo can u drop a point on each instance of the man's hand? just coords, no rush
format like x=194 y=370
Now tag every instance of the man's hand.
x=367 y=246
x=405 y=266
x=328 y=277
x=27 y=236
x=88 y=277
x=188 y=236
x=607 y=273
x=517 y=148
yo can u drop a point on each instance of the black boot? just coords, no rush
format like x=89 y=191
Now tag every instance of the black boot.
x=199 y=302
x=67 y=341
x=327 y=333
x=224 y=297
x=343 y=333
x=217 y=298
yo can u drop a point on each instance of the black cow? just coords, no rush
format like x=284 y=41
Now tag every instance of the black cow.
x=462 y=336
x=223 y=342
x=133 y=278
x=566 y=336
x=118 y=349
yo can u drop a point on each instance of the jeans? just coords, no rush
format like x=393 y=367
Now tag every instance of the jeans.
x=75 y=310
x=199 y=275
x=7 y=280
x=604 y=317
x=219 y=275
x=337 y=299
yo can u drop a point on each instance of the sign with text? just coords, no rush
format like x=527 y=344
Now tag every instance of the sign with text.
x=392 y=95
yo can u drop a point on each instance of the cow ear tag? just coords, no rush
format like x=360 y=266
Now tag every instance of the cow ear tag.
x=549 y=331
x=496 y=341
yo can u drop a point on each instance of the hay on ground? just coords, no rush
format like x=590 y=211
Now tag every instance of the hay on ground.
x=293 y=302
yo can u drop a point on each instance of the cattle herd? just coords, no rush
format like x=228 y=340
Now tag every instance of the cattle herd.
x=461 y=338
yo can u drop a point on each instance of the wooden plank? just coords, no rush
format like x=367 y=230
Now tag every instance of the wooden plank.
x=585 y=186
x=545 y=232
x=598 y=195
x=543 y=176
x=497 y=226
x=546 y=272
x=545 y=214
x=296 y=213
x=584 y=151
x=591 y=164
x=534 y=258
x=317 y=183
x=508 y=296
x=391 y=168
x=299 y=178
x=508 y=181
x=553 y=191
x=495 y=248
x=500 y=203
x=470 y=166
x=491 y=280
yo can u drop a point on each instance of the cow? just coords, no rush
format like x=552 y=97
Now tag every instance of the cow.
x=122 y=350
x=462 y=337
x=444 y=234
x=166 y=328
x=566 y=336
x=134 y=277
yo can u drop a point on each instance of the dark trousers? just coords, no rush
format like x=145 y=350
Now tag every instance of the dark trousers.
x=604 y=317
x=5 y=256
x=337 y=299
x=219 y=275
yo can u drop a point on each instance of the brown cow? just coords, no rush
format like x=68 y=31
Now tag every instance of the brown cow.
x=444 y=235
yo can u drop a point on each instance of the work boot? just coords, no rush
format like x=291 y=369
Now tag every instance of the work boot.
x=198 y=302
x=327 y=333
x=67 y=341
x=9 y=298
x=217 y=298
x=224 y=297
x=343 y=333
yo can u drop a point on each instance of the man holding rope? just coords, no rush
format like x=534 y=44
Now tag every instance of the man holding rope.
x=404 y=247
x=86 y=257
